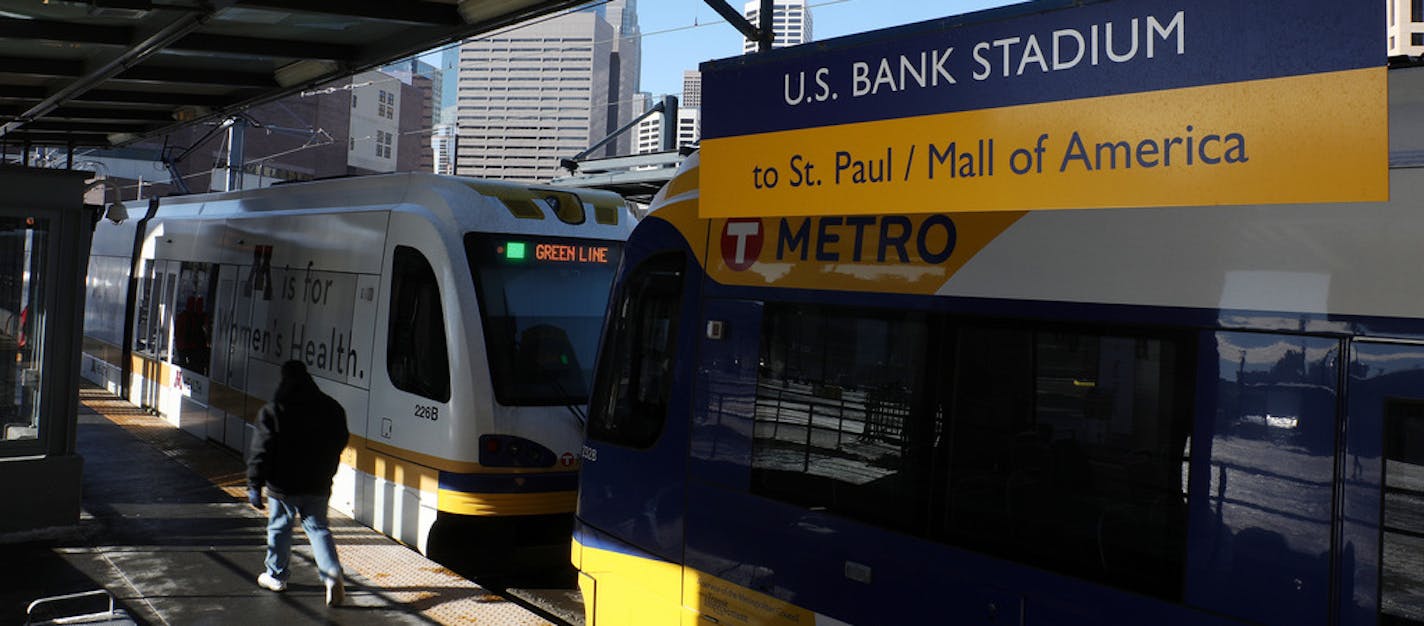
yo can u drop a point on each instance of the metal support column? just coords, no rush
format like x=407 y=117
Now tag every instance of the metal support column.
x=236 y=138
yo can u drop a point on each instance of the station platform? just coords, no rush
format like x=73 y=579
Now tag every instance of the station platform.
x=166 y=530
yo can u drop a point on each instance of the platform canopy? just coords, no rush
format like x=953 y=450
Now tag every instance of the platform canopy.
x=109 y=72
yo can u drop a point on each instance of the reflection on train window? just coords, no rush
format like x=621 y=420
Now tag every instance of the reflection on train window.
x=638 y=356
x=1402 y=543
x=1267 y=469
x=416 y=356
x=1067 y=450
x=141 y=312
x=23 y=250
x=833 y=413
x=1056 y=448
x=155 y=310
x=542 y=311
x=193 y=324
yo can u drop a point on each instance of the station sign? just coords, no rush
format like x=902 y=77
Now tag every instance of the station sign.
x=1052 y=105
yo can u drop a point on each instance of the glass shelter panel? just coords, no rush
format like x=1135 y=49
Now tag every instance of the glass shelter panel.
x=23 y=250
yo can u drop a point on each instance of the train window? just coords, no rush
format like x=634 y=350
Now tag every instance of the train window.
x=541 y=346
x=1058 y=448
x=416 y=355
x=636 y=364
x=155 y=309
x=1402 y=578
x=1066 y=451
x=834 y=426
x=193 y=324
x=1268 y=475
x=146 y=298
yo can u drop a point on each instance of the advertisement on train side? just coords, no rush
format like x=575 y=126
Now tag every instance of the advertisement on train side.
x=1110 y=104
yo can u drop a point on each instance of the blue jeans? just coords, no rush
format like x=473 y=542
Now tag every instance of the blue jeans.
x=282 y=513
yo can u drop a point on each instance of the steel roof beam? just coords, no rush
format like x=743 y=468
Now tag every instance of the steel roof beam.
x=171 y=75
x=20 y=92
x=155 y=98
x=266 y=48
x=434 y=13
x=60 y=138
x=174 y=31
x=31 y=66
x=12 y=28
x=85 y=127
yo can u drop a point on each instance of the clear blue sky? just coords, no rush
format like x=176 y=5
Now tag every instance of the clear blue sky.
x=679 y=34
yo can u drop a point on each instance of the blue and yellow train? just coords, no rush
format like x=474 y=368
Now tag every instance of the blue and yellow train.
x=1186 y=415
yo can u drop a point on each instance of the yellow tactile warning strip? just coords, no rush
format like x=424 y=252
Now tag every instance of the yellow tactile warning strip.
x=374 y=562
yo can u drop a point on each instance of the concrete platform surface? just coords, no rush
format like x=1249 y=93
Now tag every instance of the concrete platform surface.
x=166 y=530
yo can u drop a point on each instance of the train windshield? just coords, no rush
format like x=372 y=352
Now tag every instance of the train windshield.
x=542 y=301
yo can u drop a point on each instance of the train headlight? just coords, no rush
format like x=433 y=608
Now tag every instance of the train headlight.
x=511 y=451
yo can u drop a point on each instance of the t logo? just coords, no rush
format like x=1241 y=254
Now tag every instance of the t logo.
x=261 y=276
x=741 y=242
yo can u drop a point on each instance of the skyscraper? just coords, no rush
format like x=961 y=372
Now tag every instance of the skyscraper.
x=791 y=23
x=691 y=89
x=449 y=84
x=536 y=93
x=1406 y=27
x=627 y=68
x=650 y=133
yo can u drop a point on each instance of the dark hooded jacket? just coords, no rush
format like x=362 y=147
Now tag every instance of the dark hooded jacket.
x=300 y=436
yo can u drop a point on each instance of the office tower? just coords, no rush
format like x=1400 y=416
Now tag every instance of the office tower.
x=689 y=130
x=691 y=89
x=791 y=23
x=378 y=110
x=1406 y=27
x=418 y=119
x=449 y=83
x=626 y=70
x=535 y=93
x=442 y=144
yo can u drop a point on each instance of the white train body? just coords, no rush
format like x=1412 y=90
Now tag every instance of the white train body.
x=229 y=285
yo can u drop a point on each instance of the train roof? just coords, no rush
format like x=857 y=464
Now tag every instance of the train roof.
x=439 y=194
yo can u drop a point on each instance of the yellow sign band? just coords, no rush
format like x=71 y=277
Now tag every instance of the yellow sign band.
x=1311 y=138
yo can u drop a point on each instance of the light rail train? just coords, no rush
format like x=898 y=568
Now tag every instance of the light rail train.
x=455 y=319
x=1193 y=415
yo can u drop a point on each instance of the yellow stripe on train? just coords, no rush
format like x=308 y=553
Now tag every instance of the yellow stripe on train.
x=633 y=591
x=626 y=590
x=546 y=503
x=400 y=466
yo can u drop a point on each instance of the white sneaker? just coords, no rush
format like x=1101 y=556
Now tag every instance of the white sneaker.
x=267 y=581
x=335 y=592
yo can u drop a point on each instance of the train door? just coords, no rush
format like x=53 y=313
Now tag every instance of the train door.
x=231 y=337
x=409 y=400
x=192 y=344
x=634 y=461
x=153 y=332
x=1381 y=561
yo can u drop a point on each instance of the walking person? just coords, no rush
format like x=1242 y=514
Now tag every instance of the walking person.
x=295 y=454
